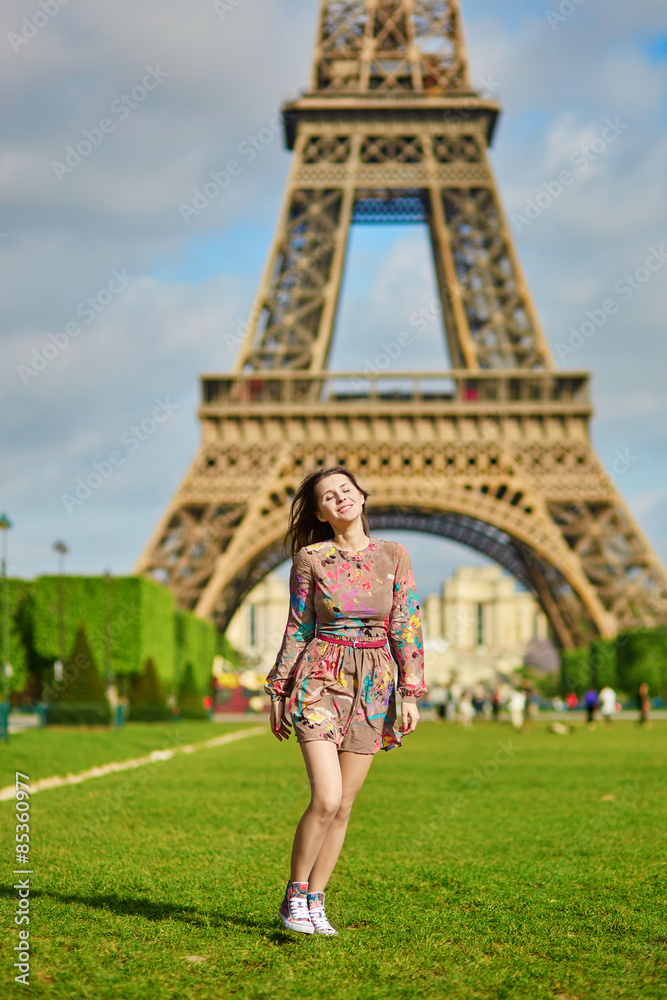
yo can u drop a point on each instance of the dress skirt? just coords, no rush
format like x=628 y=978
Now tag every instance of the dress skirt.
x=345 y=695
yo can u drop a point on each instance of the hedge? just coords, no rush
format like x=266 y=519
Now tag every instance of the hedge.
x=128 y=620
x=21 y=645
x=196 y=644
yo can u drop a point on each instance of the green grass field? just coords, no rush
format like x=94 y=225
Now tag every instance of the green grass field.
x=478 y=864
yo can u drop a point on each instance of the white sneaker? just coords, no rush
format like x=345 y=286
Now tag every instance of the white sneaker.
x=318 y=915
x=294 y=911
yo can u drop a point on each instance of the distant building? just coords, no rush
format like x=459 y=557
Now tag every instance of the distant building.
x=257 y=627
x=480 y=625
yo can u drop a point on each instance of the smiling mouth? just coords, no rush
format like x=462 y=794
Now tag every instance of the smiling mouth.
x=347 y=507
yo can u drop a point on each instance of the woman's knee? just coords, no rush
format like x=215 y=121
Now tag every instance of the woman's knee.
x=325 y=804
x=344 y=809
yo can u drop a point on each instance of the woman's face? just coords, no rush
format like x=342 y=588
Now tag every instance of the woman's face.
x=339 y=501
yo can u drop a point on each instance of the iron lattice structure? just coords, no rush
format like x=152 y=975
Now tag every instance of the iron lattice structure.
x=496 y=453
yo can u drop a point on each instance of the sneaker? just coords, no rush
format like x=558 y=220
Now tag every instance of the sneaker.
x=317 y=914
x=294 y=908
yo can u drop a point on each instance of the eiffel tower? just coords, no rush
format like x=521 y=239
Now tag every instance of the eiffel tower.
x=496 y=453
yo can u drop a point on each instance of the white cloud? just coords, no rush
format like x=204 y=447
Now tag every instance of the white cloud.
x=119 y=208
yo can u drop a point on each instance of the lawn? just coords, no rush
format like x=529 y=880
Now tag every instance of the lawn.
x=42 y=753
x=478 y=863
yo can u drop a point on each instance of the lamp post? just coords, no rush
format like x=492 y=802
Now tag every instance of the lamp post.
x=108 y=673
x=5 y=525
x=62 y=551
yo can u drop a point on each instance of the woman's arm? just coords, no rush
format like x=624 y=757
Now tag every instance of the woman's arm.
x=299 y=630
x=405 y=630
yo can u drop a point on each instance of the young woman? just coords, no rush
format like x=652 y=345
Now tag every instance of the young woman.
x=352 y=605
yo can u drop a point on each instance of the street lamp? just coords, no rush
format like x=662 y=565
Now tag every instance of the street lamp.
x=108 y=660
x=62 y=551
x=5 y=525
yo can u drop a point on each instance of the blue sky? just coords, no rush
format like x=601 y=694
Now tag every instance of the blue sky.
x=189 y=284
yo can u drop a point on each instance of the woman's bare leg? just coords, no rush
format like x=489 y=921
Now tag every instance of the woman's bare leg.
x=324 y=773
x=353 y=769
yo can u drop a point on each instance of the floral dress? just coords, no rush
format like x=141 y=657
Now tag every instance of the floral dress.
x=346 y=694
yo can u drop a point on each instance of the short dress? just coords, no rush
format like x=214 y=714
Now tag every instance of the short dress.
x=347 y=694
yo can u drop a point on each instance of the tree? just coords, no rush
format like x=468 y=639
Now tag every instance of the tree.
x=189 y=697
x=642 y=657
x=147 y=700
x=79 y=697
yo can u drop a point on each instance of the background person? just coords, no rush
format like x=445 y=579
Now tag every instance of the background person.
x=607 y=704
x=590 y=704
x=517 y=705
x=644 y=704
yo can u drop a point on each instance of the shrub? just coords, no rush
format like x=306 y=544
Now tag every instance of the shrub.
x=79 y=698
x=189 y=697
x=147 y=700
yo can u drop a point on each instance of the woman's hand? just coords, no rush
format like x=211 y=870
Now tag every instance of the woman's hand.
x=409 y=716
x=280 y=724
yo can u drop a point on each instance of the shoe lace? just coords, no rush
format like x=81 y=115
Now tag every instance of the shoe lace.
x=298 y=906
x=319 y=919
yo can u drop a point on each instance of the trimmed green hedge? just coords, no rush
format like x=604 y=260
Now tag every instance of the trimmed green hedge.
x=196 y=644
x=128 y=620
x=30 y=669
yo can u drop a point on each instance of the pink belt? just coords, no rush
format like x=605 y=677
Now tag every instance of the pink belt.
x=356 y=642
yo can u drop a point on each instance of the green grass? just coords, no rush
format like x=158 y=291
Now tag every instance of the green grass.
x=59 y=750
x=536 y=873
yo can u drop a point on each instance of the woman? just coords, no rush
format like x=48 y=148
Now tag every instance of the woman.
x=352 y=604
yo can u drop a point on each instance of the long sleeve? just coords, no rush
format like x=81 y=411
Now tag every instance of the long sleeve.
x=300 y=626
x=405 y=629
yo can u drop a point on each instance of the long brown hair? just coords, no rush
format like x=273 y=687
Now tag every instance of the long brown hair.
x=304 y=527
